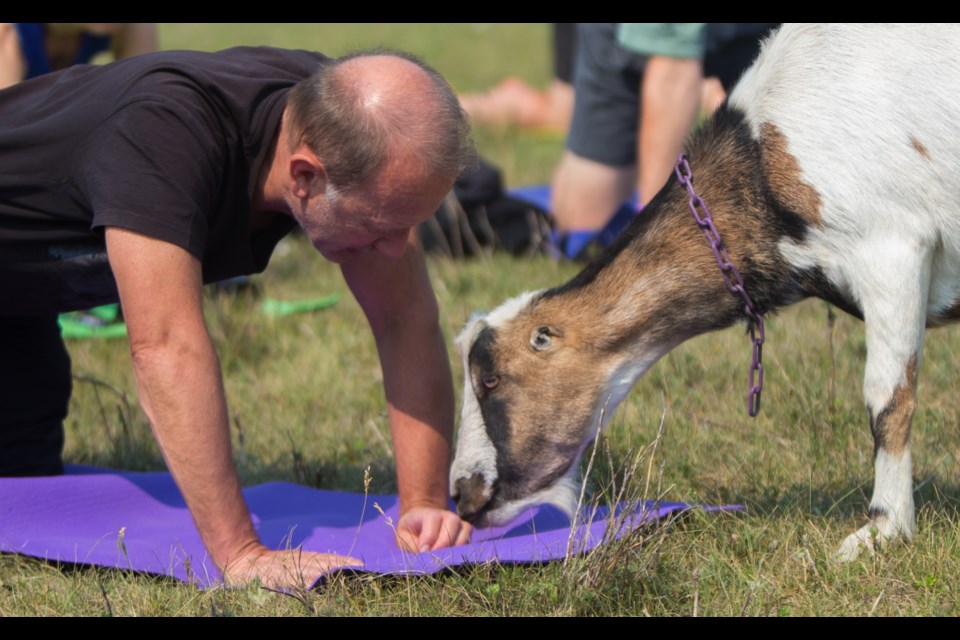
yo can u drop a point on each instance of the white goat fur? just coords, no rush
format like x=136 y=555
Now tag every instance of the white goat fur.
x=870 y=116
x=890 y=236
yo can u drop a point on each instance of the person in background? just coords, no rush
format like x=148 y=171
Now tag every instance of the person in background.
x=638 y=90
x=31 y=49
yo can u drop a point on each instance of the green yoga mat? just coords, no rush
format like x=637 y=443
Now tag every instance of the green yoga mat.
x=99 y=322
x=273 y=307
x=103 y=322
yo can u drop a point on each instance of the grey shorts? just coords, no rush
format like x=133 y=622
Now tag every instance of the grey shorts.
x=607 y=85
x=607 y=97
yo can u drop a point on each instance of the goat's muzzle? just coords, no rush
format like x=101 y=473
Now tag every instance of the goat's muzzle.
x=473 y=497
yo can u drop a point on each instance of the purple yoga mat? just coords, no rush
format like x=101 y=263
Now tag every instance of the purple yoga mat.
x=79 y=517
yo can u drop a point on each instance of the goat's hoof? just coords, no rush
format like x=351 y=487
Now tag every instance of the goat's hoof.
x=866 y=538
x=851 y=547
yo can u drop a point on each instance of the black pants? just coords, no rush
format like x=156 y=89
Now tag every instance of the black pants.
x=564 y=50
x=35 y=386
x=734 y=48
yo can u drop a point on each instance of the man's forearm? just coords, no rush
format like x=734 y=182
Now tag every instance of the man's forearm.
x=420 y=404
x=402 y=310
x=181 y=391
x=419 y=390
x=671 y=100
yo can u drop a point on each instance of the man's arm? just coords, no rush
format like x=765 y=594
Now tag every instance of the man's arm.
x=670 y=102
x=401 y=308
x=670 y=89
x=181 y=390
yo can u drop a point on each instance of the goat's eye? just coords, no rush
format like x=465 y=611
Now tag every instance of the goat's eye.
x=540 y=339
x=491 y=381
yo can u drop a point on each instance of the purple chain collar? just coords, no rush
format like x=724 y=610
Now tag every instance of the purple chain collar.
x=705 y=222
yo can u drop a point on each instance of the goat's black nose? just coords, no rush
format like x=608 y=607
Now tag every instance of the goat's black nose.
x=473 y=497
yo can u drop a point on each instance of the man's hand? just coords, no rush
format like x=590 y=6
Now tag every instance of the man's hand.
x=290 y=568
x=428 y=529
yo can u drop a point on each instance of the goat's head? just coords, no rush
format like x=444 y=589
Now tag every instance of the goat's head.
x=535 y=387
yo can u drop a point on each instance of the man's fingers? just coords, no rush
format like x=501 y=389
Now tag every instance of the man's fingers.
x=445 y=531
x=426 y=529
x=452 y=532
x=408 y=540
x=429 y=530
x=331 y=561
x=286 y=569
x=464 y=534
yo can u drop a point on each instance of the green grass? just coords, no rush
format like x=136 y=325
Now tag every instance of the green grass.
x=307 y=407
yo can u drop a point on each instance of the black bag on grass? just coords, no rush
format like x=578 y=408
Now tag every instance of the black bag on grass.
x=478 y=217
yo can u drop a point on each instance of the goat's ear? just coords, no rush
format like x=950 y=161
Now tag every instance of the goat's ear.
x=469 y=333
x=542 y=337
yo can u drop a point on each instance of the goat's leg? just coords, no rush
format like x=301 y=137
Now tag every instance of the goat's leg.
x=893 y=286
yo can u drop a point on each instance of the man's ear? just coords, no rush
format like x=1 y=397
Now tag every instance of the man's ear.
x=307 y=175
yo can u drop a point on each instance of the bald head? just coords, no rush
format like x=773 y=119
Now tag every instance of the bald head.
x=366 y=110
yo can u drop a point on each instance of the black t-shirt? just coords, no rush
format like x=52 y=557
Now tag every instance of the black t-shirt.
x=168 y=144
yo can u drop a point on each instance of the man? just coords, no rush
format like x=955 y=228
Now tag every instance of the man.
x=141 y=180
x=638 y=88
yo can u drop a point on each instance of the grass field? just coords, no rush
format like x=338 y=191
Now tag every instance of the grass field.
x=306 y=403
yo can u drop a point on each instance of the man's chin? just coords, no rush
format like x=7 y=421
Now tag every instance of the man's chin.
x=345 y=255
x=339 y=257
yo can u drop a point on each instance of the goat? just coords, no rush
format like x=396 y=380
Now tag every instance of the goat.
x=830 y=172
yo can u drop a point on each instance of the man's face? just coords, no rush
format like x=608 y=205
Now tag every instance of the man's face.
x=377 y=216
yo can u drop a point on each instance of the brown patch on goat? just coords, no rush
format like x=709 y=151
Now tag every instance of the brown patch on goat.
x=728 y=177
x=891 y=427
x=660 y=282
x=666 y=284
x=918 y=146
x=784 y=176
x=658 y=285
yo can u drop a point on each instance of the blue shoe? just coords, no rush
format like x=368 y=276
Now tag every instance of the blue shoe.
x=577 y=242
x=575 y=245
x=621 y=218
x=571 y=245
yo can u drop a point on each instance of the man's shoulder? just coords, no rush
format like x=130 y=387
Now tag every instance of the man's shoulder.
x=237 y=79
x=267 y=53
x=170 y=72
x=292 y=59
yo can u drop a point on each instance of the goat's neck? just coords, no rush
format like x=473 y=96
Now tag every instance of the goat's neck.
x=660 y=284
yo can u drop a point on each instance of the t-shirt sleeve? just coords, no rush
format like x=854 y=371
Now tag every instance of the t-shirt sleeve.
x=673 y=39
x=155 y=167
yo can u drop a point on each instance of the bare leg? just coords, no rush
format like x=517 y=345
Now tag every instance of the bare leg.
x=586 y=193
x=514 y=102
